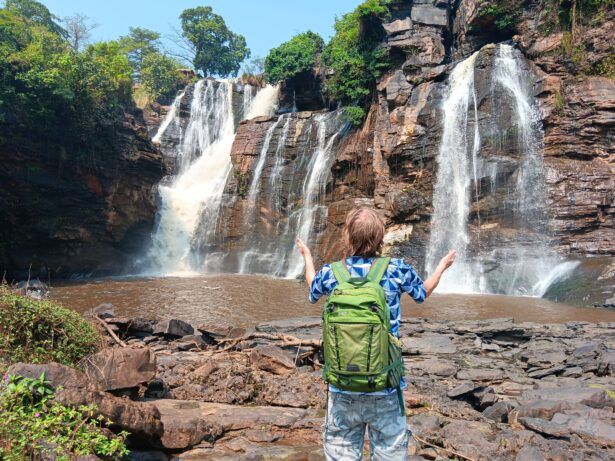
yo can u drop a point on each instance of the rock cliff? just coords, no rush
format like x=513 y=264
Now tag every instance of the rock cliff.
x=65 y=212
x=391 y=160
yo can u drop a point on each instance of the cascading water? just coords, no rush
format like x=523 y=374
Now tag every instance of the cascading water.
x=302 y=180
x=451 y=202
x=525 y=263
x=313 y=189
x=190 y=201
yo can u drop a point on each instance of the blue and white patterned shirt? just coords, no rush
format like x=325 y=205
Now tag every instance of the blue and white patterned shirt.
x=400 y=277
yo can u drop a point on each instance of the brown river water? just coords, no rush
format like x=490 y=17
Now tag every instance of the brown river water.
x=245 y=300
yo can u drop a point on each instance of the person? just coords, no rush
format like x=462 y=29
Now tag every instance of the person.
x=349 y=414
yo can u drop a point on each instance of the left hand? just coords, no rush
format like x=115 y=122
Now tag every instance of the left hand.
x=302 y=247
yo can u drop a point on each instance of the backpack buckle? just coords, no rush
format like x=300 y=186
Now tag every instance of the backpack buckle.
x=371 y=382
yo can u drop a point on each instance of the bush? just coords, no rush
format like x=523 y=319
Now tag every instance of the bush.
x=354 y=114
x=297 y=55
x=160 y=76
x=33 y=426
x=41 y=331
x=354 y=56
x=504 y=14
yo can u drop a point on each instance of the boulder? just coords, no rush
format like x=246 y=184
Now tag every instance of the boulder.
x=436 y=367
x=273 y=359
x=498 y=412
x=398 y=26
x=529 y=453
x=429 y=344
x=462 y=389
x=592 y=397
x=121 y=368
x=187 y=423
x=480 y=374
x=174 y=328
x=545 y=427
x=73 y=388
x=57 y=375
x=430 y=15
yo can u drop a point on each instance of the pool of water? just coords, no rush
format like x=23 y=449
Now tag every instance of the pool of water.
x=246 y=300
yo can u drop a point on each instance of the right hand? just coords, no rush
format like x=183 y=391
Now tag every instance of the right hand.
x=448 y=260
x=303 y=248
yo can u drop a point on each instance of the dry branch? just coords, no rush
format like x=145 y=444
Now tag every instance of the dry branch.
x=110 y=331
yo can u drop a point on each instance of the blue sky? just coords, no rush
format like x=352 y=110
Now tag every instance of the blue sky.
x=264 y=23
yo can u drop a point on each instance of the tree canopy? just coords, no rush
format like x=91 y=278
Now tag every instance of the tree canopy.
x=297 y=55
x=139 y=43
x=217 y=50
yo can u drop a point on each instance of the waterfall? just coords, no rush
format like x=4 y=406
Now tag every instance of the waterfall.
x=301 y=180
x=313 y=190
x=264 y=103
x=451 y=199
x=171 y=118
x=190 y=201
x=525 y=263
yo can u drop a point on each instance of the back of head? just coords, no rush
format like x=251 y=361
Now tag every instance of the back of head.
x=363 y=232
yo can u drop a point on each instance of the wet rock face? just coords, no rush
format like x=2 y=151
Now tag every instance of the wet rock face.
x=63 y=217
x=399 y=142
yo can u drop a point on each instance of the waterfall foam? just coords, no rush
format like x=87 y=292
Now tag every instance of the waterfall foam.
x=264 y=103
x=523 y=265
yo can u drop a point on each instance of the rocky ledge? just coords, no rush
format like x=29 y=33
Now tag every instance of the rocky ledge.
x=478 y=390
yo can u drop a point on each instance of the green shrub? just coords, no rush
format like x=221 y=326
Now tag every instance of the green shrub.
x=605 y=68
x=40 y=331
x=161 y=76
x=33 y=426
x=504 y=14
x=354 y=114
x=297 y=55
x=354 y=56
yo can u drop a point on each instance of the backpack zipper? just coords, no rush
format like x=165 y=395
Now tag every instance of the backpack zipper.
x=369 y=347
x=337 y=349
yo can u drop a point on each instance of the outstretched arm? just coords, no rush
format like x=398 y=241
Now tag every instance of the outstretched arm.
x=432 y=282
x=309 y=262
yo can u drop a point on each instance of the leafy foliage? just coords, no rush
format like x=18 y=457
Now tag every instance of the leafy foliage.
x=504 y=14
x=297 y=55
x=40 y=331
x=161 y=76
x=50 y=91
x=33 y=426
x=138 y=44
x=37 y=13
x=354 y=114
x=217 y=50
x=353 y=54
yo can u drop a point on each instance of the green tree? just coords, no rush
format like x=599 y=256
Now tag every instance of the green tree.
x=160 y=76
x=297 y=55
x=354 y=56
x=37 y=13
x=217 y=50
x=138 y=44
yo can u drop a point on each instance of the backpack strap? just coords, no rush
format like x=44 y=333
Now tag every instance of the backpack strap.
x=340 y=271
x=379 y=267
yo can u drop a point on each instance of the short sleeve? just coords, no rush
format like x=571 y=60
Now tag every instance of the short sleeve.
x=321 y=285
x=412 y=283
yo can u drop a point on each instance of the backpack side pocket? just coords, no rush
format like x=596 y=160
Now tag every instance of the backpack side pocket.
x=396 y=363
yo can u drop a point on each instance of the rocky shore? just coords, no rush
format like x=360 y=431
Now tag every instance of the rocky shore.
x=478 y=390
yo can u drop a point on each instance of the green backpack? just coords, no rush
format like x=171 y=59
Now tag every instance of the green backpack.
x=360 y=353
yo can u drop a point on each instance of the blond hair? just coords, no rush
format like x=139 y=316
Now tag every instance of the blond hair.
x=363 y=232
